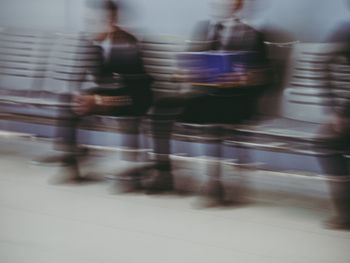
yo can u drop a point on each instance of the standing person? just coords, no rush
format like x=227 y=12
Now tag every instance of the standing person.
x=338 y=167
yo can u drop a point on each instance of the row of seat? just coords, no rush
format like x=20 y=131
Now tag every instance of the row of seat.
x=316 y=82
x=39 y=69
x=315 y=87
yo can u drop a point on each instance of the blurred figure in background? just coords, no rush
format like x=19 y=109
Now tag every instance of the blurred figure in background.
x=123 y=87
x=235 y=95
x=339 y=126
x=339 y=185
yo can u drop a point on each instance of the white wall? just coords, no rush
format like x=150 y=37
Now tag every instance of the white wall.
x=42 y=14
x=305 y=20
x=154 y=16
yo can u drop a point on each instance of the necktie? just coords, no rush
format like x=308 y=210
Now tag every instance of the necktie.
x=216 y=39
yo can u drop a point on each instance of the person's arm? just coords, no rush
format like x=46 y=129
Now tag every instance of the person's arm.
x=340 y=34
x=261 y=74
x=100 y=104
x=251 y=78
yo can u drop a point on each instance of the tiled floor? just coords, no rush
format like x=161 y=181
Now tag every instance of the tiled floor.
x=43 y=222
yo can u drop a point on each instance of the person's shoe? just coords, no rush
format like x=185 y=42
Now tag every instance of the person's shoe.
x=162 y=182
x=125 y=183
x=339 y=223
x=69 y=173
x=204 y=202
x=66 y=175
x=49 y=160
x=58 y=159
x=340 y=191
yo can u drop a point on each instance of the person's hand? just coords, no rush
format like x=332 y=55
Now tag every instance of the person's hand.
x=258 y=77
x=335 y=125
x=340 y=124
x=233 y=79
x=244 y=79
x=83 y=104
x=181 y=75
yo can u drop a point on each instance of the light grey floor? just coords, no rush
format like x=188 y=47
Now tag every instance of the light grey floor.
x=43 y=222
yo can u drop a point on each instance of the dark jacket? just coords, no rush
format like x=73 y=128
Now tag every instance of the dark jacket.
x=122 y=74
x=341 y=35
x=240 y=37
x=226 y=105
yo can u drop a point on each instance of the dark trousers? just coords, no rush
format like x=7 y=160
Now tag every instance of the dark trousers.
x=225 y=106
x=338 y=167
x=66 y=134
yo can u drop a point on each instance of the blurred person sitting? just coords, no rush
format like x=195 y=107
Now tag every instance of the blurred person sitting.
x=237 y=94
x=121 y=66
x=123 y=87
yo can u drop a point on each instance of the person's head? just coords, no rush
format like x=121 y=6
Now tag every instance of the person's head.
x=223 y=9
x=100 y=17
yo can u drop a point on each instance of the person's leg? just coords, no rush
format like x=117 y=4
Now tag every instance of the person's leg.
x=229 y=108
x=162 y=117
x=339 y=183
x=340 y=192
x=67 y=144
x=161 y=132
x=207 y=111
x=66 y=134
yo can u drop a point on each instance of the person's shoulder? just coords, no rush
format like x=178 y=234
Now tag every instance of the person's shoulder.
x=251 y=32
x=120 y=33
x=341 y=33
x=247 y=25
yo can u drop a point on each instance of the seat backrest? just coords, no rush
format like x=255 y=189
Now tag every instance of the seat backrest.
x=339 y=70
x=306 y=95
x=159 y=54
x=23 y=59
x=72 y=58
x=37 y=62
